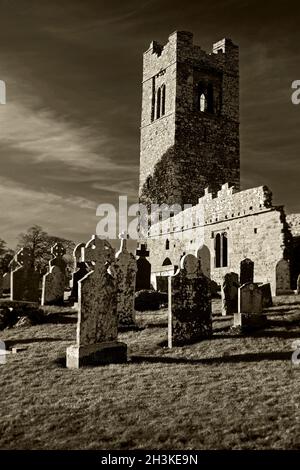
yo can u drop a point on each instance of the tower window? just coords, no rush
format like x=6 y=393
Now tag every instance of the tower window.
x=167 y=244
x=158 y=103
x=202 y=103
x=163 y=100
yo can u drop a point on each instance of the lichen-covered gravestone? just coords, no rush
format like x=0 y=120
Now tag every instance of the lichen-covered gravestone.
x=97 y=327
x=190 y=314
x=283 y=277
x=55 y=280
x=143 y=275
x=229 y=293
x=80 y=270
x=25 y=279
x=250 y=307
x=266 y=295
x=125 y=268
x=246 y=271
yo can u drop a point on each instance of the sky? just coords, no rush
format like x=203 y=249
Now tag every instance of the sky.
x=69 y=131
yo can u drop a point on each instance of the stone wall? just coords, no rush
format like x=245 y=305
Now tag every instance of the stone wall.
x=255 y=229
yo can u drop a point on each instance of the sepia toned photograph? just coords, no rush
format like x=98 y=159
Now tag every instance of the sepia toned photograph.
x=149 y=230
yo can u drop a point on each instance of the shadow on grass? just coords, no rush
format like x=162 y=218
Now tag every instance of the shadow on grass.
x=11 y=342
x=248 y=357
x=56 y=318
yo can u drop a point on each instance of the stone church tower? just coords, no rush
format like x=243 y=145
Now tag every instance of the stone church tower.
x=190 y=120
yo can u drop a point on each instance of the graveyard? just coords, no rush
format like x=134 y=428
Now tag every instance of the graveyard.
x=228 y=392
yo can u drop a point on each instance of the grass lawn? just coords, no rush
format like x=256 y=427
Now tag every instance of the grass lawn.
x=229 y=392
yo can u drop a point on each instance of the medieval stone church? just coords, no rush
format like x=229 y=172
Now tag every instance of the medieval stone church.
x=190 y=155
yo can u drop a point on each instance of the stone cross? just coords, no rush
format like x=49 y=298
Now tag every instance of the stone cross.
x=190 y=314
x=80 y=270
x=24 y=278
x=97 y=327
x=125 y=268
x=229 y=293
x=143 y=275
x=54 y=280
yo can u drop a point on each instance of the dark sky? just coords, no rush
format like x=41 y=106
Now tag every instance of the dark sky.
x=69 y=133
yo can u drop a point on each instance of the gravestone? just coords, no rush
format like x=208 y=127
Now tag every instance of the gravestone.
x=80 y=270
x=266 y=295
x=6 y=283
x=24 y=279
x=250 y=308
x=246 y=271
x=189 y=310
x=229 y=293
x=283 y=277
x=97 y=327
x=125 y=268
x=143 y=275
x=55 y=280
x=298 y=285
x=1 y=283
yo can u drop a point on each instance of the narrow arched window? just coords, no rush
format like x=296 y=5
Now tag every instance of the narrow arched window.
x=202 y=103
x=224 y=250
x=158 y=103
x=218 y=251
x=163 y=100
x=167 y=244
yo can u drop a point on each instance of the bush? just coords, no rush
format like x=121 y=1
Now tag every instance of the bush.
x=149 y=300
x=12 y=311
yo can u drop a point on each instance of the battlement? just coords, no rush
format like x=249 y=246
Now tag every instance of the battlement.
x=180 y=47
x=228 y=204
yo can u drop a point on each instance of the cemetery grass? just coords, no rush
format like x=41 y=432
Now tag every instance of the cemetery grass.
x=230 y=392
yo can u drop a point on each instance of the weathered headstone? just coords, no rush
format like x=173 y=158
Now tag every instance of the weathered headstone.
x=246 y=271
x=80 y=270
x=6 y=283
x=24 y=279
x=97 y=327
x=298 y=285
x=1 y=283
x=125 y=268
x=229 y=293
x=250 y=307
x=190 y=314
x=54 y=281
x=143 y=275
x=283 y=277
x=266 y=295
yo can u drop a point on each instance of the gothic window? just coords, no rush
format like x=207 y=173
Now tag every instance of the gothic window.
x=163 y=100
x=167 y=244
x=158 y=103
x=221 y=250
x=202 y=103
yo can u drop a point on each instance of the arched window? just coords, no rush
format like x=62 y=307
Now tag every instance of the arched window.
x=167 y=262
x=224 y=250
x=158 y=103
x=202 y=103
x=221 y=250
x=218 y=250
x=167 y=244
x=163 y=100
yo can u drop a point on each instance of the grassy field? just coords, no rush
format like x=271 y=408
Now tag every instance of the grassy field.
x=230 y=392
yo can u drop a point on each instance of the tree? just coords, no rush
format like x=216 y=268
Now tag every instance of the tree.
x=6 y=255
x=39 y=244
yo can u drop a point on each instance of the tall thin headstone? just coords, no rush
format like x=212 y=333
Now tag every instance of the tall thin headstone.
x=80 y=270
x=229 y=293
x=246 y=271
x=190 y=314
x=25 y=279
x=143 y=275
x=54 y=281
x=97 y=327
x=125 y=267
